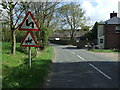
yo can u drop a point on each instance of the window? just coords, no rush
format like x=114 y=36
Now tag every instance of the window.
x=117 y=29
x=101 y=40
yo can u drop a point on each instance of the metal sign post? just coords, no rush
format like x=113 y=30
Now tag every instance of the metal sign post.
x=29 y=41
x=29 y=24
x=29 y=56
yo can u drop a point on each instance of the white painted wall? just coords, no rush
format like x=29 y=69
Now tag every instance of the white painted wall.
x=101 y=45
x=101 y=36
x=100 y=30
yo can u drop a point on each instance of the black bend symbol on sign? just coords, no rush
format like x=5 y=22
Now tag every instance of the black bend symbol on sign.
x=29 y=23
x=28 y=41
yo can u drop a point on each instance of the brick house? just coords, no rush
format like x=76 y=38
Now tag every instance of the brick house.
x=109 y=33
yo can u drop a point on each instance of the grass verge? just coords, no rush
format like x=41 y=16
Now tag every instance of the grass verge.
x=105 y=50
x=17 y=74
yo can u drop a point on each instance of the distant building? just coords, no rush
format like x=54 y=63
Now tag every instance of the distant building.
x=65 y=35
x=109 y=33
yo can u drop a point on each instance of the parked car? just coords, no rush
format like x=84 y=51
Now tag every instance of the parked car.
x=78 y=45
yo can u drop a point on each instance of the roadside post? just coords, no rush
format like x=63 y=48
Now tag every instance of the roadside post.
x=29 y=56
x=29 y=24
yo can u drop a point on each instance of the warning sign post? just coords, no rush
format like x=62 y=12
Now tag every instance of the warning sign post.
x=29 y=41
x=29 y=24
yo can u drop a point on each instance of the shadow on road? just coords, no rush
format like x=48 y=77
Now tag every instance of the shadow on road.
x=82 y=75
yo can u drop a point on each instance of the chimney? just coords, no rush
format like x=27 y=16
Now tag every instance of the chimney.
x=113 y=14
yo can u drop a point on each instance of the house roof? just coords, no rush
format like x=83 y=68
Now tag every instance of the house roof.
x=114 y=20
x=67 y=34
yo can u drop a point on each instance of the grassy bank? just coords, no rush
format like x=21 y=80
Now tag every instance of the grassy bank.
x=105 y=50
x=16 y=71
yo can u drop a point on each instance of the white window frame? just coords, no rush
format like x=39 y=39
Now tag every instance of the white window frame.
x=101 y=41
x=117 y=29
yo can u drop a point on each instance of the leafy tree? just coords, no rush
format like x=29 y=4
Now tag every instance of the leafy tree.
x=92 y=34
x=44 y=14
x=85 y=28
x=89 y=35
x=71 y=16
x=94 y=30
x=20 y=35
x=44 y=36
x=12 y=13
x=5 y=33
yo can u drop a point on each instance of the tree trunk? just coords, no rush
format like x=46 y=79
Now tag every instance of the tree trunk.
x=13 y=42
x=72 y=37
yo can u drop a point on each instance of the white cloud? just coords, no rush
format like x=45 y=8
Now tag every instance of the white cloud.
x=102 y=9
x=119 y=9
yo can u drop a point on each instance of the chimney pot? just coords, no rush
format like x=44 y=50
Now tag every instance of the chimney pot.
x=113 y=14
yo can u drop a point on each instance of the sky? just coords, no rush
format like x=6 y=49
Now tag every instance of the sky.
x=96 y=10
x=99 y=10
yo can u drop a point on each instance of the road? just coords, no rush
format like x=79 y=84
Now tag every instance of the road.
x=79 y=68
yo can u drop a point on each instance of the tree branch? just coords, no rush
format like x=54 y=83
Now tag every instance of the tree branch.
x=18 y=19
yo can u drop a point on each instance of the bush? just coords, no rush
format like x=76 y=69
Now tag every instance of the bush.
x=44 y=35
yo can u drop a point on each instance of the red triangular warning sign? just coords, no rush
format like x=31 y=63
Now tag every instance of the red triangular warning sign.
x=29 y=41
x=29 y=23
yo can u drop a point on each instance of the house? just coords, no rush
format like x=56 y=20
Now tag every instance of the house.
x=65 y=35
x=59 y=35
x=109 y=33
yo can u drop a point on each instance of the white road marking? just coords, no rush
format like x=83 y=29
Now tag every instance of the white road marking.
x=81 y=57
x=93 y=66
x=72 y=52
x=100 y=71
x=68 y=50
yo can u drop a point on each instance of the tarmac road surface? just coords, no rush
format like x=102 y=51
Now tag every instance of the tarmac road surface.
x=78 y=68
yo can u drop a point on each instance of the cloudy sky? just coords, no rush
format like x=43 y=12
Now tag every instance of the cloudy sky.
x=99 y=10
